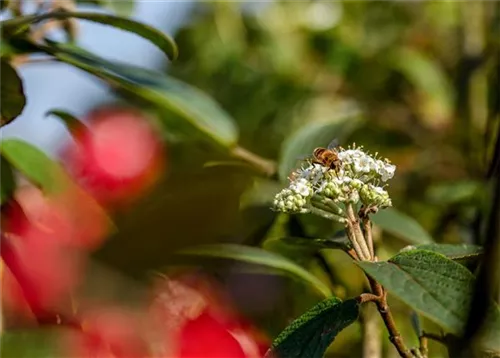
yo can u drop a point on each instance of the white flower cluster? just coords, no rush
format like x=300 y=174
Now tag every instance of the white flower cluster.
x=364 y=166
x=357 y=179
x=294 y=198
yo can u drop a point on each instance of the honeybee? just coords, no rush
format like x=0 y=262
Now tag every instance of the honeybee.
x=327 y=157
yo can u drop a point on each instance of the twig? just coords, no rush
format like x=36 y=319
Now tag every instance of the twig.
x=352 y=254
x=424 y=350
x=435 y=337
x=385 y=313
x=368 y=297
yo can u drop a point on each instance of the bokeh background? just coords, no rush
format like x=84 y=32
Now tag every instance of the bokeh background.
x=415 y=81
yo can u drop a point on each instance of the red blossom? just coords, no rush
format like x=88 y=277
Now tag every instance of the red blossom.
x=45 y=272
x=107 y=332
x=70 y=217
x=41 y=248
x=194 y=321
x=117 y=157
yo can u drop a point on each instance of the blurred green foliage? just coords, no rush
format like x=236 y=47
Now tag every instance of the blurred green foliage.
x=420 y=75
x=414 y=81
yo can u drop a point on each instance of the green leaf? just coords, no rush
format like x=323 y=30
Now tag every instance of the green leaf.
x=340 y=243
x=461 y=253
x=401 y=225
x=36 y=343
x=160 y=39
x=7 y=181
x=310 y=335
x=429 y=80
x=34 y=164
x=258 y=256
x=192 y=107
x=70 y=121
x=455 y=192
x=429 y=283
x=121 y=8
x=313 y=135
x=11 y=93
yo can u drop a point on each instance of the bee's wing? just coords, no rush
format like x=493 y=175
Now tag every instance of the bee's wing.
x=333 y=144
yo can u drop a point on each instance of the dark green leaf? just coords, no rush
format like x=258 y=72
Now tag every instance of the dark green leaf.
x=340 y=243
x=34 y=164
x=461 y=253
x=8 y=183
x=401 y=225
x=310 y=335
x=164 y=42
x=313 y=135
x=428 y=282
x=192 y=107
x=70 y=121
x=11 y=93
x=257 y=256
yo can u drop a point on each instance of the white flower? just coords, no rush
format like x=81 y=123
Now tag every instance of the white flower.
x=364 y=164
x=301 y=187
x=387 y=172
x=350 y=156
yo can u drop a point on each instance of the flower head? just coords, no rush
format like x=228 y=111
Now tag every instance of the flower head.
x=319 y=189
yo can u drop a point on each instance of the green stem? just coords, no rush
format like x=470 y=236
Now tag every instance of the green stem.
x=268 y=167
x=329 y=203
x=326 y=214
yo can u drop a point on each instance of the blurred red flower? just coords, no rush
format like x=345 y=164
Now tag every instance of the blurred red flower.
x=206 y=336
x=70 y=217
x=107 y=332
x=116 y=157
x=42 y=247
x=193 y=321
